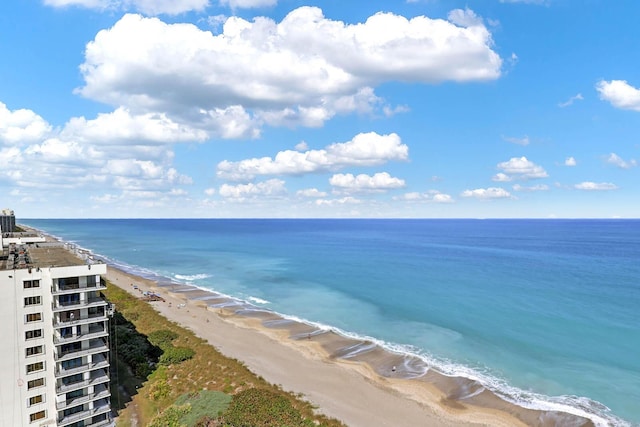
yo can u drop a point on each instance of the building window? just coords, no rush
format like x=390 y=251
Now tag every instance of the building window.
x=37 y=416
x=36 y=333
x=33 y=300
x=31 y=284
x=34 y=317
x=73 y=379
x=35 y=400
x=35 y=383
x=33 y=367
x=32 y=351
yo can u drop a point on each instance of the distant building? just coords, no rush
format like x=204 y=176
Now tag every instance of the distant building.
x=54 y=323
x=7 y=221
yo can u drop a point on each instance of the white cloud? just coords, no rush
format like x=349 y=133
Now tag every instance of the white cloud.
x=620 y=94
x=120 y=126
x=520 y=141
x=348 y=200
x=270 y=188
x=381 y=181
x=21 y=126
x=210 y=191
x=571 y=100
x=615 y=160
x=365 y=149
x=522 y=168
x=501 y=177
x=432 y=196
x=487 y=193
x=247 y=4
x=149 y=7
x=302 y=146
x=298 y=72
x=532 y=188
x=311 y=193
x=570 y=161
x=595 y=186
x=398 y=109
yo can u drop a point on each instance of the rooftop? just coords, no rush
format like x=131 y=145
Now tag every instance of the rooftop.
x=41 y=254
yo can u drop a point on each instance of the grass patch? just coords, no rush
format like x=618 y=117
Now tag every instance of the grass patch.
x=207 y=369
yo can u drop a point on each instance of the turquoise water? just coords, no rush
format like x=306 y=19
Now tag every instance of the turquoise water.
x=545 y=312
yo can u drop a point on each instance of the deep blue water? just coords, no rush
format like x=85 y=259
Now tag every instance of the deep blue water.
x=545 y=311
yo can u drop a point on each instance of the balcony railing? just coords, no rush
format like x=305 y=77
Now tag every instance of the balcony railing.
x=61 y=372
x=71 y=305
x=80 y=337
x=91 y=318
x=70 y=419
x=82 y=399
x=75 y=287
x=72 y=354
x=66 y=388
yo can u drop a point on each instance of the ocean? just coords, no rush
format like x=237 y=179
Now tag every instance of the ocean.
x=545 y=313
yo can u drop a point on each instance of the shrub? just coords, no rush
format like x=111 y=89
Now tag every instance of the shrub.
x=173 y=355
x=171 y=416
x=258 y=407
x=162 y=338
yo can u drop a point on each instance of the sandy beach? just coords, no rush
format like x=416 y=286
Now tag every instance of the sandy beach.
x=367 y=392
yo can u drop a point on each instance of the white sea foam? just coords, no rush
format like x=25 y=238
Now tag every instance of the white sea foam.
x=258 y=300
x=192 y=277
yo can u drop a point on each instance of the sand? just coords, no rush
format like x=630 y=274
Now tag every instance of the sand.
x=350 y=391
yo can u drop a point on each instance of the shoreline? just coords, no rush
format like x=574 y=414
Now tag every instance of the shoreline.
x=352 y=380
x=400 y=381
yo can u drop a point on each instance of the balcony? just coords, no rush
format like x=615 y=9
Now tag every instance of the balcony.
x=82 y=399
x=103 y=378
x=80 y=337
x=70 y=419
x=81 y=352
x=75 y=287
x=74 y=305
x=61 y=372
x=91 y=318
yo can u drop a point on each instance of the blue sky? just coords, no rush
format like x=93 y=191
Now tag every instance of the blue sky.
x=284 y=108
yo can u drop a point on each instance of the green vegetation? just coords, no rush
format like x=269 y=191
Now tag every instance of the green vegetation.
x=177 y=379
x=259 y=407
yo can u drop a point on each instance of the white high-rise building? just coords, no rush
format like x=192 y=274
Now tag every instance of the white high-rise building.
x=54 y=335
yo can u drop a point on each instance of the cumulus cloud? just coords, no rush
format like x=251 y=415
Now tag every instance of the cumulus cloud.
x=571 y=100
x=487 y=193
x=531 y=188
x=521 y=167
x=365 y=149
x=620 y=94
x=596 y=186
x=570 y=161
x=348 y=200
x=149 y=7
x=121 y=126
x=21 y=126
x=381 y=181
x=270 y=188
x=617 y=161
x=501 y=177
x=432 y=196
x=115 y=150
x=297 y=72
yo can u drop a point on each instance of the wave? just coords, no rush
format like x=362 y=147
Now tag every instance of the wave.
x=192 y=277
x=417 y=363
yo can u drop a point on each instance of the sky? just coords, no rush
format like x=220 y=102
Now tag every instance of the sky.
x=325 y=108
